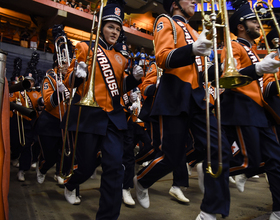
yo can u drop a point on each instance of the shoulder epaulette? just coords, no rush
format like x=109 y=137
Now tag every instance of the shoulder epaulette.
x=47 y=77
x=172 y=24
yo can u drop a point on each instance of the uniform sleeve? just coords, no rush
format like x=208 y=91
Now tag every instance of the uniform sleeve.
x=49 y=95
x=269 y=85
x=149 y=83
x=81 y=55
x=129 y=82
x=14 y=96
x=167 y=56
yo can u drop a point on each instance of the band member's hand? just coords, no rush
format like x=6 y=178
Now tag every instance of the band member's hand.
x=268 y=65
x=134 y=106
x=61 y=87
x=138 y=72
x=81 y=70
x=133 y=97
x=202 y=46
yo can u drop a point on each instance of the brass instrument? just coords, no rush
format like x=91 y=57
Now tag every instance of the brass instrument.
x=87 y=99
x=22 y=85
x=29 y=112
x=20 y=117
x=51 y=71
x=63 y=61
x=260 y=17
x=63 y=58
x=231 y=77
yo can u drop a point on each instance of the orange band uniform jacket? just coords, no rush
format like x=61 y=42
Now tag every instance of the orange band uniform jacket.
x=32 y=99
x=245 y=105
x=48 y=123
x=181 y=80
x=148 y=89
x=270 y=91
x=95 y=120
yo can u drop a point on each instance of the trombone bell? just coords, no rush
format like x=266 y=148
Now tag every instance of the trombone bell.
x=232 y=78
x=88 y=100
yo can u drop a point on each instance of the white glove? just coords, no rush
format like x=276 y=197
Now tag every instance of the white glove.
x=134 y=106
x=202 y=46
x=267 y=65
x=18 y=102
x=81 y=70
x=133 y=97
x=138 y=72
x=61 y=87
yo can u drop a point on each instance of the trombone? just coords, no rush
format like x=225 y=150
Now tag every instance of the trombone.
x=231 y=77
x=63 y=61
x=20 y=117
x=87 y=99
x=260 y=15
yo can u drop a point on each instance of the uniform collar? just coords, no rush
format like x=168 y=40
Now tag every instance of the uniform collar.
x=180 y=18
x=243 y=41
x=105 y=45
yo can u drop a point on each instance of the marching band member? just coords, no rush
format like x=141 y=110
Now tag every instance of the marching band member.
x=135 y=134
x=102 y=127
x=33 y=99
x=270 y=90
x=48 y=126
x=180 y=106
x=180 y=173
x=243 y=109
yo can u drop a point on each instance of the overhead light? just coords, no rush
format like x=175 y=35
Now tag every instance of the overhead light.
x=154 y=3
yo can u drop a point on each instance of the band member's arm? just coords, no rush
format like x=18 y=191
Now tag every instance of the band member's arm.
x=133 y=80
x=149 y=83
x=78 y=66
x=50 y=95
x=269 y=85
x=167 y=56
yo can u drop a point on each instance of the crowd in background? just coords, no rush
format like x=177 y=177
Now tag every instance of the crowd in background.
x=79 y=6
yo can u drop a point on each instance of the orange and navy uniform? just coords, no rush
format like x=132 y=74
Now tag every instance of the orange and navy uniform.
x=48 y=126
x=49 y=91
x=115 y=87
x=101 y=128
x=272 y=97
x=180 y=106
x=244 y=118
x=33 y=98
x=48 y=122
x=148 y=89
x=181 y=71
x=271 y=94
x=235 y=107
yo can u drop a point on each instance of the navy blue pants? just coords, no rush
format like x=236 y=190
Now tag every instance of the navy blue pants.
x=51 y=153
x=259 y=152
x=180 y=173
x=111 y=147
x=172 y=150
x=134 y=134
